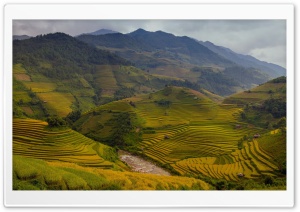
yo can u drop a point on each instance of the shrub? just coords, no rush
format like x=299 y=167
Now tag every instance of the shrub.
x=55 y=121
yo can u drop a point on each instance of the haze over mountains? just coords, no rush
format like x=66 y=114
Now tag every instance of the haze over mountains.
x=186 y=58
x=246 y=60
x=100 y=32
x=216 y=68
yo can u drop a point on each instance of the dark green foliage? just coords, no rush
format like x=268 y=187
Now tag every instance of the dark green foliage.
x=163 y=102
x=167 y=91
x=132 y=104
x=73 y=116
x=221 y=185
x=67 y=55
x=269 y=180
x=55 y=121
x=279 y=80
x=217 y=82
x=124 y=92
x=277 y=107
x=123 y=134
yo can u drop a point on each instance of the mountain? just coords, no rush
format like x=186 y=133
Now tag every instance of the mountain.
x=75 y=104
x=160 y=41
x=56 y=74
x=246 y=61
x=163 y=53
x=21 y=37
x=100 y=32
x=187 y=132
x=265 y=105
x=116 y=40
x=60 y=55
x=66 y=160
x=198 y=54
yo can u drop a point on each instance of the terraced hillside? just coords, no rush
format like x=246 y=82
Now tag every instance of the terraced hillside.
x=190 y=134
x=275 y=89
x=66 y=160
x=33 y=174
x=251 y=161
x=37 y=95
x=32 y=139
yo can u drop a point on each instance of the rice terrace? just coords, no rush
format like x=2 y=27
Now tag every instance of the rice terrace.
x=145 y=110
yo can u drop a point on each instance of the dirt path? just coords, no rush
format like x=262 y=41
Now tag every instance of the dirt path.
x=138 y=164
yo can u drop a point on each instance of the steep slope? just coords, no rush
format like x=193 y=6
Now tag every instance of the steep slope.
x=183 y=57
x=198 y=54
x=117 y=40
x=56 y=74
x=189 y=133
x=48 y=159
x=61 y=56
x=264 y=105
x=33 y=174
x=246 y=61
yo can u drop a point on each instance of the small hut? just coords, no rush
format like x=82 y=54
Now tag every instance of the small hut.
x=256 y=135
x=238 y=126
x=240 y=174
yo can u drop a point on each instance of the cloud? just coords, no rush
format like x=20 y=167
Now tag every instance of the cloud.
x=258 y=38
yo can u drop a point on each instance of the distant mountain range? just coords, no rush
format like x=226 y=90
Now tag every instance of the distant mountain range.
x=246 y=60
x=214 y=68
x=100 y=32
x=195 y=52
x=21 y=37
x=143 y=40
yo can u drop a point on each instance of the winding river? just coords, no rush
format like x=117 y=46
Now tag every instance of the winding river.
x=138 y=164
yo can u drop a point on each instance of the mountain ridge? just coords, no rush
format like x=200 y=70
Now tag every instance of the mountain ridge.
x=246 y=61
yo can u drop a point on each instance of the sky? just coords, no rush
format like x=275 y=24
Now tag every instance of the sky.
x=262 y=39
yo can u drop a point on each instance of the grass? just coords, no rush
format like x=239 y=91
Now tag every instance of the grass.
x=57 y=103
x=19 y=69
x=32 y=139
x=194 y=135
x=22 y=77
x=258 y=94
x=40 y=87
x=253 y=165
x=68 y=176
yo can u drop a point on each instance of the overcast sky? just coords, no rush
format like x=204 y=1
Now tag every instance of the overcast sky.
x=263 y=39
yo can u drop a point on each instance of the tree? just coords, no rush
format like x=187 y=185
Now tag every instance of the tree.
x=73 y=116
x=55 y=121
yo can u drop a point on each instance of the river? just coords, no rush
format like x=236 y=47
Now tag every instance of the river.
x=138 y=164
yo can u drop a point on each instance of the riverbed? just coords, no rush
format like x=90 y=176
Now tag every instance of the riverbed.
x=138 y=164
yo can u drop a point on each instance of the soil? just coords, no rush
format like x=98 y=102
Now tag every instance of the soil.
x=138 y=164
x=22 y=77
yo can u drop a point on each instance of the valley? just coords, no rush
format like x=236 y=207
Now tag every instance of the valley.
x=144 y=111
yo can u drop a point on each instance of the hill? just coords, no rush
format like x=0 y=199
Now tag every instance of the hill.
x=246 y=61
x=100 y=32
x=264 y=105
x=21 y=37
x=186 y=132
x=61 y=56
x=56 y=74
x=62 y=159
x=183 y=57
